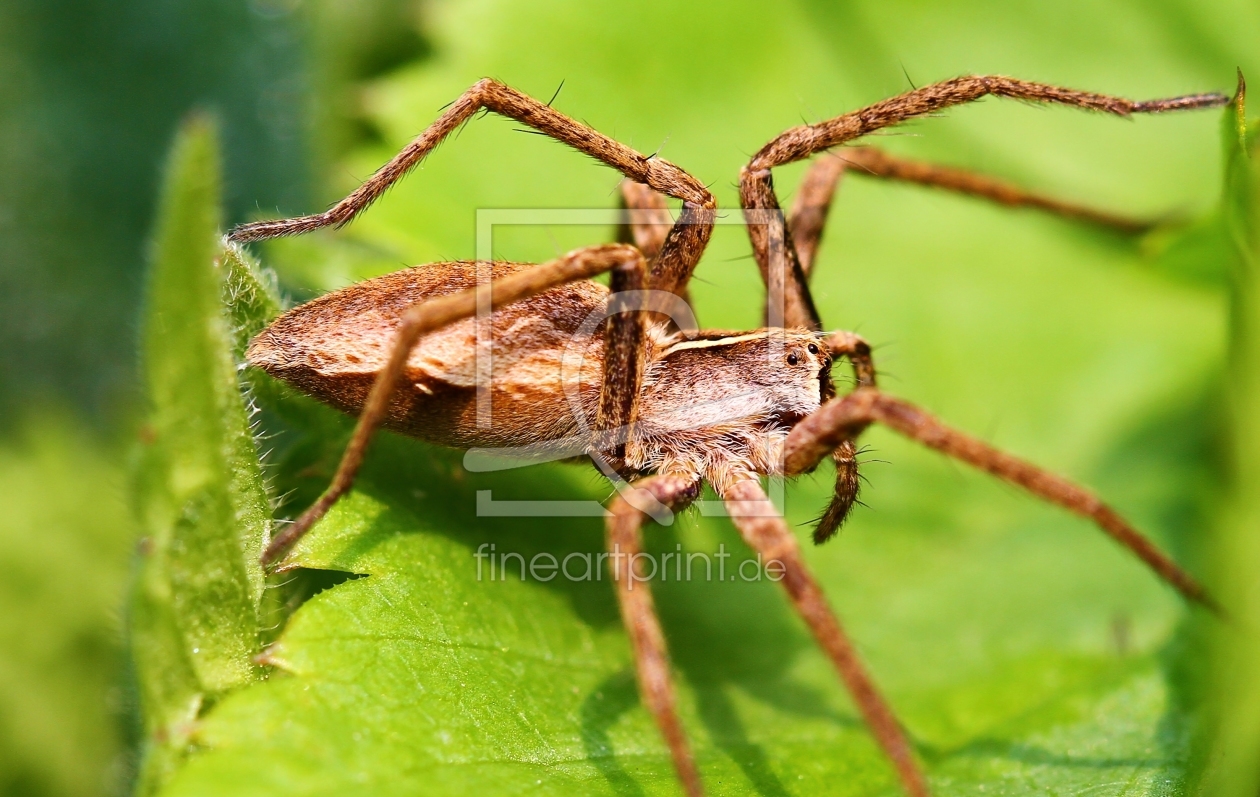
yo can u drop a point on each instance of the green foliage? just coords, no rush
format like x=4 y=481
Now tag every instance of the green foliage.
x=90 y=96
x=1024 y=653
x=65 y=541
x=200 y=496
x=1237 y=742
x=347 y=42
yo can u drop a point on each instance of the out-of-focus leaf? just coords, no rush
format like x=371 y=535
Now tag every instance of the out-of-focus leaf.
x=200 y=496
x=1234 y=769
x=1197 y=253
x=1019 y=647
x=91 y=94
x=347 y=42
x=65 y=542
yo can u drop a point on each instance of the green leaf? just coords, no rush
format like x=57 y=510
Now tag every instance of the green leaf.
x=1023 y=652
x=1236 y=746
x=200 y=496
x=250 y=298
x=65 y=544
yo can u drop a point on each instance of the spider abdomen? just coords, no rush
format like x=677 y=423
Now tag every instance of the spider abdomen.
x=545 y=354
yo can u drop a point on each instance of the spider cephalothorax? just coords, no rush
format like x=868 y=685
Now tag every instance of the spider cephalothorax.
x=576 y=368
x=720 y=403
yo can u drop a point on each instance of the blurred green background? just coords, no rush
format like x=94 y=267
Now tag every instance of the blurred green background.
x=1090 y=353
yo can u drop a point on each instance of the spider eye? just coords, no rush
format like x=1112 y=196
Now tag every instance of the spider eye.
x=813 y=349
x=792 y=359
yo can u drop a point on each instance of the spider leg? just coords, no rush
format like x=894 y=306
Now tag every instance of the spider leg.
x=802 y=141
x=844 y=456
x=789 y=302
x=842 y=419
x=647 y=224
x=765 y=531
x=872 y=162
x=808 y=218
x=781 y=266
x=647 y=221
x=857 y=351
x=428 y=316
x=682 y=247
x=624 y=533
x=808 y=215
x=624 y=361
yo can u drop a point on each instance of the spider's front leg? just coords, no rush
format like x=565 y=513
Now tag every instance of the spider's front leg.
x=647 y=219
x=841 y=419
x=844 y=496
x=808 y=217
x=651 y=658
x=765 y=531
x=785 y=252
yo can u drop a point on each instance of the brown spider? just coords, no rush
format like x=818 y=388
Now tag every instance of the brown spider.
x=671 y=408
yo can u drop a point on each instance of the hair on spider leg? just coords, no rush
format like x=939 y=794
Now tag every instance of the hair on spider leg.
x=856 y=501
x=828 y=526
x=557 y=93
x=455 y=134
x=902 y=64
x=851 y=163
x=867 y=449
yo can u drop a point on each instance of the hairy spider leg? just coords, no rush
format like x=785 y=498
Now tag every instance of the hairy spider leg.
x=785 y=251
x=624 y=539
x=765 y=531
x=812 y=202
x=647 y=223
x=840 y=419
x=648 y=220
x=680 y=251
x=625 y=351
x=848 y=484
x=756 y=187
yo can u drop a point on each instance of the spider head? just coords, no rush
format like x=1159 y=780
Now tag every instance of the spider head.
x=768 y=376
x=804 y=376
